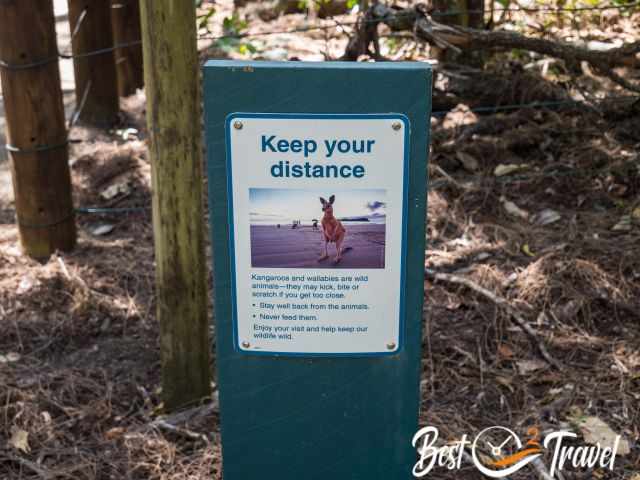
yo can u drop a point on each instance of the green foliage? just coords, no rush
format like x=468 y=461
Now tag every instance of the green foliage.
x=394 y=44
x=317 y=4
x=234 y=25
x=234 y=29
x=203 y=20
x=519 y=54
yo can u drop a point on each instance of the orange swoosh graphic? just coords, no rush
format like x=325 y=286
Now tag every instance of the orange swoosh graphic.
x=511 y=459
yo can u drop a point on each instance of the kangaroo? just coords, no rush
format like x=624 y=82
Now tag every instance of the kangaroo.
x=332 y=230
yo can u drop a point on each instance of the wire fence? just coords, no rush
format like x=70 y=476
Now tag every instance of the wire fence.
x=435 y=14
x=334 y=25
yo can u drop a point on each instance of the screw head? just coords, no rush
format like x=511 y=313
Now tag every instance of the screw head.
x=396 y=125
x=391 y=346
x=237 y=125
x=246 y=344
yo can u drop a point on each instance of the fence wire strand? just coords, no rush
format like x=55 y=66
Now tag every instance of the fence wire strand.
x=240 y=35
x=434 y=14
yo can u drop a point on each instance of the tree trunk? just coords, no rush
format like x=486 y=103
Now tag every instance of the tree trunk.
x=36 y=131
x=463 y=13
x=125 y=17
x=172 y=80
x=95 y=72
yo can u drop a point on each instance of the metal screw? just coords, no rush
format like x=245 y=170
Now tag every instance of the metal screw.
x=246 y=344
x=237 y=125
x=396 y=125
x=391 y=346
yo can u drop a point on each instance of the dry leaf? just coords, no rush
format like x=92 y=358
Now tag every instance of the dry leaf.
x=115 y=190
x=505 y=352
x=114 y=433
x=623 y=225
x=546 y=217
x=460 y=115
x=20 y=439
x=10 y=357
x=502 y=169
x=513 y=209
x=595 y=431
x=468 y=162
x=527 y=366
x=504 y=382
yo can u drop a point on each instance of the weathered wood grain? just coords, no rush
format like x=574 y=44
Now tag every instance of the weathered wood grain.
x=125 y=19
x=172 y=84
x=95 y=75
x=35 y=122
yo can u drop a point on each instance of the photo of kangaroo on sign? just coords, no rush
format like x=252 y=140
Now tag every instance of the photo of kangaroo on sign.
x=292 y=228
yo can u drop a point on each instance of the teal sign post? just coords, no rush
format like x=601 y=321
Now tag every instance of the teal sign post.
x=317 y=200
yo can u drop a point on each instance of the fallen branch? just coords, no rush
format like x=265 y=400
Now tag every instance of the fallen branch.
x=190 y=415
x=172 y=423
x=418 y=20
x=516 y=316
x=184 y=432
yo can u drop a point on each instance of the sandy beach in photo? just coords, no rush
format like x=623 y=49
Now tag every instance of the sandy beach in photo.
x=286 y=247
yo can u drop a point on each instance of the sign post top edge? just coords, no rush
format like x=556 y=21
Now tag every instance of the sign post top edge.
x=250 y=65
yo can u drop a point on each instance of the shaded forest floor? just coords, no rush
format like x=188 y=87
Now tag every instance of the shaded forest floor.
x=558 y=237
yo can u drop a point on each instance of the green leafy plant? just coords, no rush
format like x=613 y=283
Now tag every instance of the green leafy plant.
x=234 y=29
x=234 y=25
x=203 y=20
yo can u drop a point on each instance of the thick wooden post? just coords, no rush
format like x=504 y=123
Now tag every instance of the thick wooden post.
x=172 y=81
x=125 y=17
x=95 y=73
x=36 y=131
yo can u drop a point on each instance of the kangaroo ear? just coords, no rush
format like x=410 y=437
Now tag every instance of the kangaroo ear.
x=322 y=201
x=331 y=199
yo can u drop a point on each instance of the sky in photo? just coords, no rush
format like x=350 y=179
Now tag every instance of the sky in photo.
x=270 y=205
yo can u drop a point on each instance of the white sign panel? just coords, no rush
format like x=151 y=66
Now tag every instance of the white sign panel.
x=317 y=217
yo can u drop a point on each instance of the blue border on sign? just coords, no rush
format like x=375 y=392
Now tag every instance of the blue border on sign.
x=405 y=188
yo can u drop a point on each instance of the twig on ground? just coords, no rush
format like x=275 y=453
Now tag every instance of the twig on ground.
x=170 y=422
x=29 y=465
x=191 y=414
x=184 y=432
x=502 y=302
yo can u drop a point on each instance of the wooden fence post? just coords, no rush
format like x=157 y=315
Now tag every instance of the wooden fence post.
x=36 y=131
x=125 y=17
x=172 y=82
x=95 y=73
